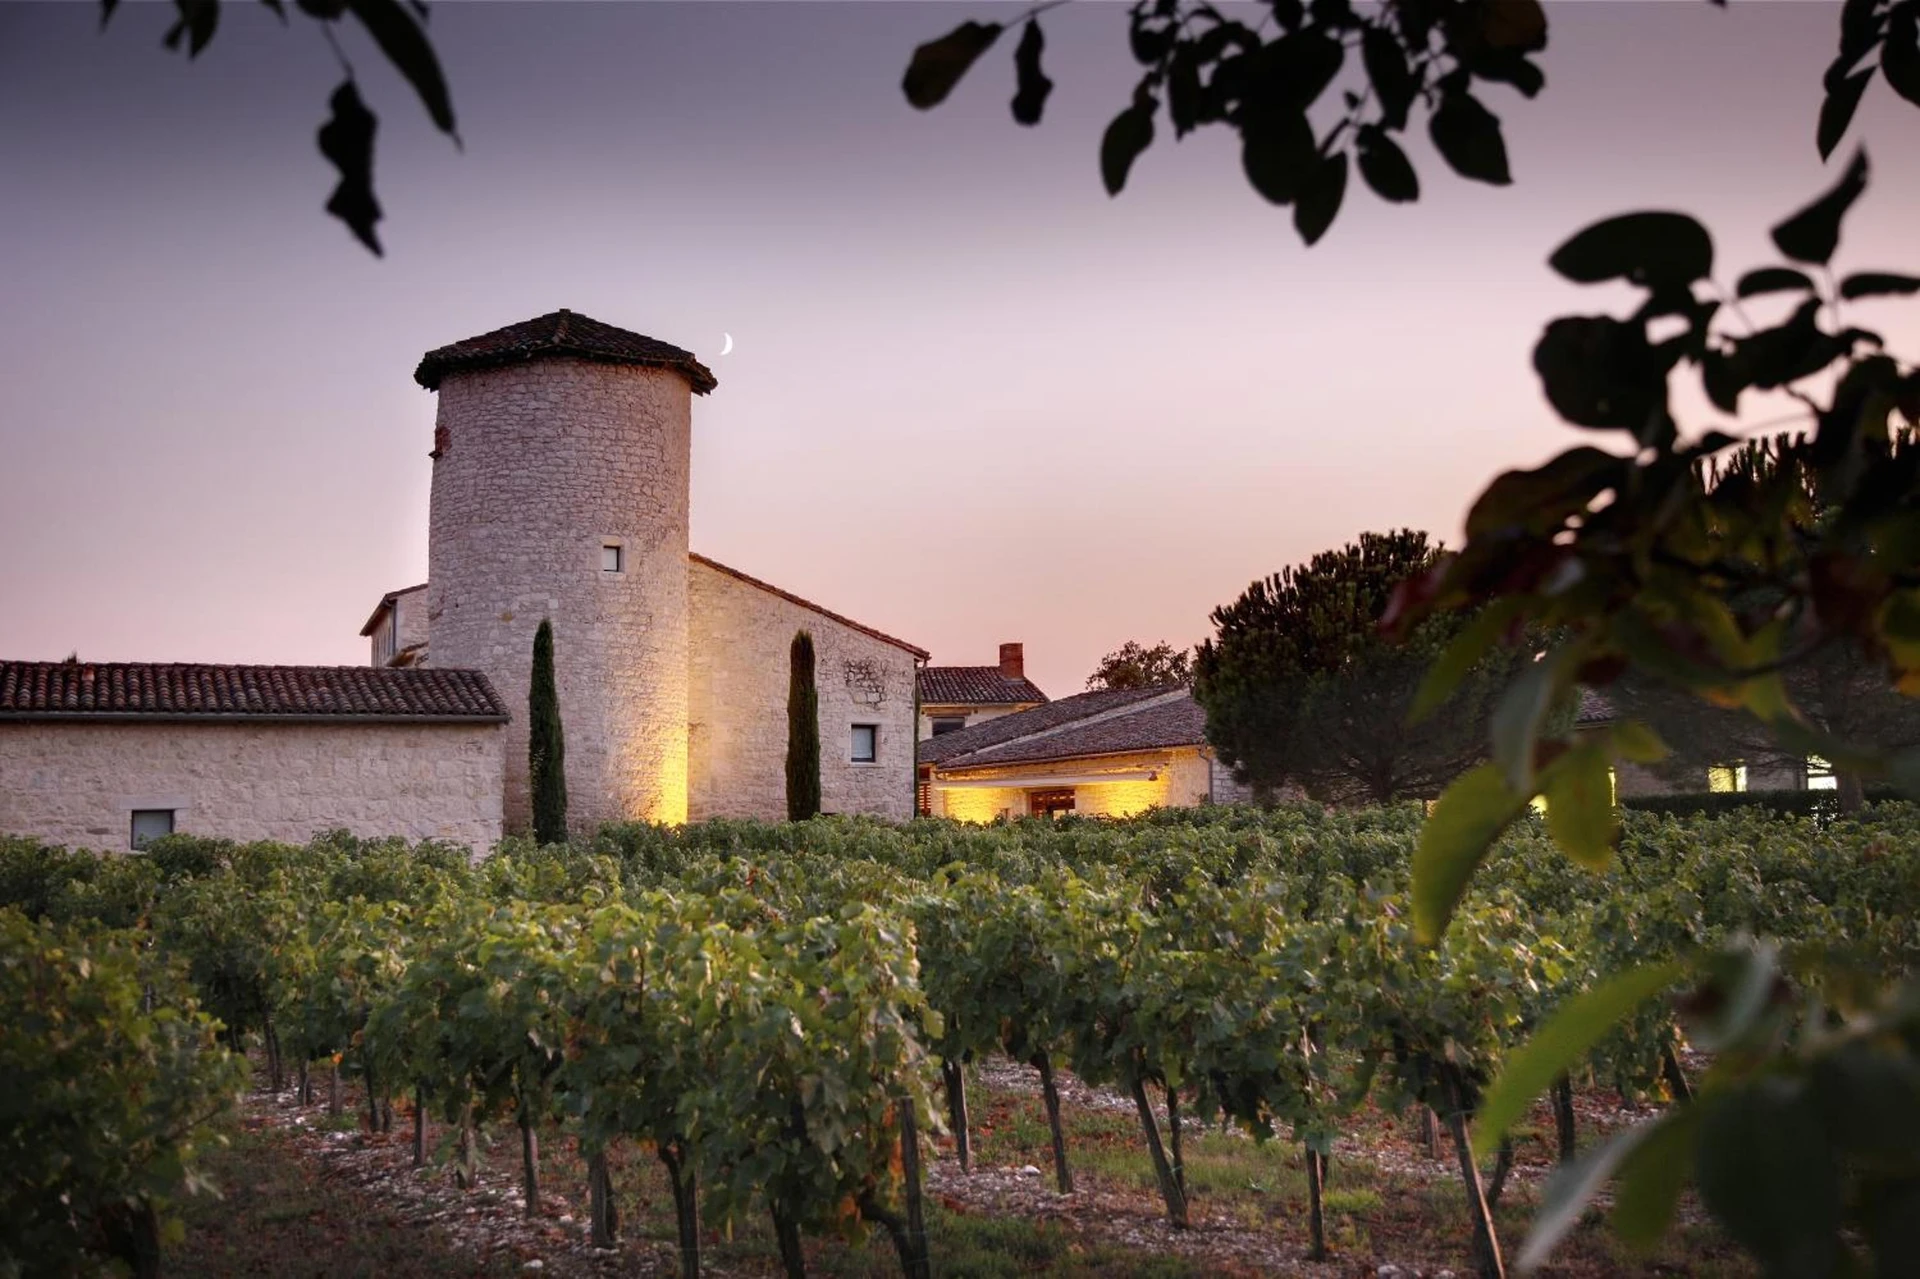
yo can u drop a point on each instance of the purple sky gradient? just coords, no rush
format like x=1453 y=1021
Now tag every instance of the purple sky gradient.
x=1034 y=412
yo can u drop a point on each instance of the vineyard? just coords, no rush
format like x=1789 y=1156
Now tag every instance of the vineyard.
x=783 y=1017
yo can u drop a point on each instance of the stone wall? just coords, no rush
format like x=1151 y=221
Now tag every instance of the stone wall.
x=972 y=714
x=1183 y=780
x=738 y=730
x=541 y=465
x=76 y=783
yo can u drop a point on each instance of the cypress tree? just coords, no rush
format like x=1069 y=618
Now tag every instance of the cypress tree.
x=546 y=746
x=803 y=732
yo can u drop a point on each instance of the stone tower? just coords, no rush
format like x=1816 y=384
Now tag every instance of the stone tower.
x=560 y=491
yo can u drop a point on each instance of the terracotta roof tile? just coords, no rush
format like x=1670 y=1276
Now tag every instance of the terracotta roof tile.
x=993 y=732
x=561 y=335
x=974 y=686
x=1151 y=726
x=187 y=690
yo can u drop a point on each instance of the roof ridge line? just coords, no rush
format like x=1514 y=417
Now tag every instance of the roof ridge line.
x=1077 y=722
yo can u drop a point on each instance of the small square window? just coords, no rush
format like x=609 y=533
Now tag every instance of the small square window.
x=866 y=743
x=150 y=824
x=949 y=724
x=613 y=558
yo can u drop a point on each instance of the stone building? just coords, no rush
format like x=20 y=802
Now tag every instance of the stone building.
x=107 y=755
x=952 y=697
x=1109 y=753
x=560 y=492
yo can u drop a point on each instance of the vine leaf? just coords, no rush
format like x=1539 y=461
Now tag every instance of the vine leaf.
x=1130 y=133
x=1563 y=1041
x=1773 y=279
x=1655 y=250
x=1386 y=167
x=937 y=65
x=197 y=22
x=400 y=37
x=1278 y=153
x=1836 y=112
x=1869 y=284
x=1030 y=98
x=1900 y=55
x=1571 y=1187
x=1393 y=82
x=1812 y=234
x=346 y=140
x=1319 y=201
x=1467 y=136
x=1580 y=814
x=1466 y=819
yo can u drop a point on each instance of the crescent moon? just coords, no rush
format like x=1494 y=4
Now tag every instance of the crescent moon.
x=728 y=348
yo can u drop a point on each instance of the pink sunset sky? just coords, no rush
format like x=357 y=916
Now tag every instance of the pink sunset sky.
x=971 y=399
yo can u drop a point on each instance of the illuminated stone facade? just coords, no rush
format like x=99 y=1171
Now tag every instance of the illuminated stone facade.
x=541 y=467
x=77 y=783
x=560 y=491
x=741 y=634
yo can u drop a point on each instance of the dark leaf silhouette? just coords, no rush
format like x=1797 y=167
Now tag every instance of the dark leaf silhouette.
x=1869 y=284
x=938 y=65
x=347 y=141
x=1900 y=55
x=1812 y=234
x=197 y=22
x=107 y=8
x=1130 y=133
x=1319 y=200
x=1773 y=279
x=1836 y=113
x=1657 y=250
x=1278 y=153
x=1386 y=167
x=1031 y=97
x=1467 y=136
x=1393 y=82
x=1293 y=71
x=1600 y=372
x=325 y=10
x=1513 y=24
x=399 y=36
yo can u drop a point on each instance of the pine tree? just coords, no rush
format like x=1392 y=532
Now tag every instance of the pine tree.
x=546 y=745
x=803 y=732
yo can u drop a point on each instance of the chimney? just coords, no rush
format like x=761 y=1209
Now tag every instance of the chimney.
x=1013 y=661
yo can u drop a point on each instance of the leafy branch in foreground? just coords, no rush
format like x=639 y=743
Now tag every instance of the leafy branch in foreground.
x=346 y=139
x=1268 y=79
x=1720 y=569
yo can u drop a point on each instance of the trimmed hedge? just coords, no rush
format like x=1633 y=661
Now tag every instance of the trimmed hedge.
x=1823 y=805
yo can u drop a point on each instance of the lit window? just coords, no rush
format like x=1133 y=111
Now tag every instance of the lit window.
x=148 y=825
x=866 y=743
x=1727 y=778
x=612 y=557
x=1050 y=803
x=1820 y=774
x=948 y=724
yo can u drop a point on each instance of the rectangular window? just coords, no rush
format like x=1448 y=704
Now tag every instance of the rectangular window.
x=1050 y=803
x=613 y=558
x=1820 y=774
x=148 y=825
x=1727 y=778
x=949 y=724
x=866 y=743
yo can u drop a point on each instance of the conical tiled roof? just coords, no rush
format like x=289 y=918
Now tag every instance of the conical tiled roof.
x=561 y=335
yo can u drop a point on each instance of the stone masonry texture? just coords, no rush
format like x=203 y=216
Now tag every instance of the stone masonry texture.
x=541 y=465
x=76 y=783
x=738 y=744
